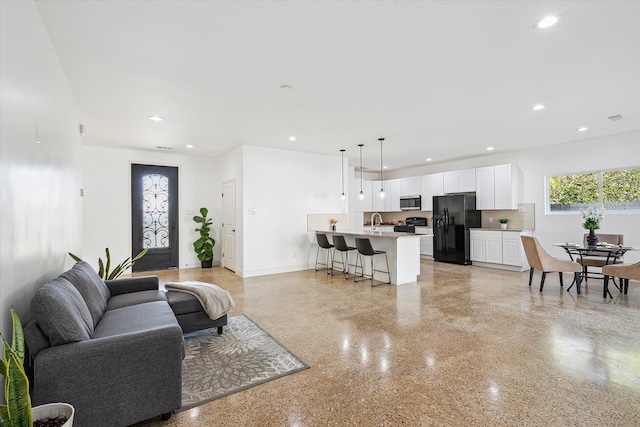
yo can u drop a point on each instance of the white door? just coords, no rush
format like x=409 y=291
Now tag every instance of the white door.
x=229 y=225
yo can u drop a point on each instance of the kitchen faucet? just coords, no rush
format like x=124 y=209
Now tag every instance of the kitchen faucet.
x=373 y=224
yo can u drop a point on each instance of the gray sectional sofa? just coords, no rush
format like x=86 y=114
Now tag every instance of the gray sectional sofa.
x=112 y=349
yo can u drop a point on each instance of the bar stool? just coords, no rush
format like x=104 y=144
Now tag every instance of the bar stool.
x=323 y=243
x=365 y=249
x=341 y=245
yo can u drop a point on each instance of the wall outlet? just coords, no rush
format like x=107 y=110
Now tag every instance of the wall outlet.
x=252 y=211
x=520 y=209
x=490 y=220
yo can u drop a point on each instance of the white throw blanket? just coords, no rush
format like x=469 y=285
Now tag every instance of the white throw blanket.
x=215 y=300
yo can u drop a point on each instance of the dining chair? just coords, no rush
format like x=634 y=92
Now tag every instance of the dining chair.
x=539 y=259
x=598 y=259
x=622 y=271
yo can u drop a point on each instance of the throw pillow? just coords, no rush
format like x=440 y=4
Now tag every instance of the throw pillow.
x=61 y=312
x=93 y=290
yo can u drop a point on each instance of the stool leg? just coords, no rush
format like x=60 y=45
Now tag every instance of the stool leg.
x=560 y=274
x=530 y=275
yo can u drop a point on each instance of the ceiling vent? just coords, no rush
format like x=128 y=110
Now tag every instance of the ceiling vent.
x=615 y=118
x=163 y=147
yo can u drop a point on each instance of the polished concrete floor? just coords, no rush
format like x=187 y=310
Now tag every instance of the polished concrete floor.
x=464 y=346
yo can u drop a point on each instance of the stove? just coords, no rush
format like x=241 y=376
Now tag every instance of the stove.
x=410 y=225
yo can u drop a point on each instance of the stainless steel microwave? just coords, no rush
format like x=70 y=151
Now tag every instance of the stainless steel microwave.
x=410 y=203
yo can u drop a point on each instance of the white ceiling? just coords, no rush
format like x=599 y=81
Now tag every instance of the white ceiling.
x=438 y=79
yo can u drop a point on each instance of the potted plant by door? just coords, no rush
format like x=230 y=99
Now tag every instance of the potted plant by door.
x=204 y=245
x=18 y=411
x=503 y=223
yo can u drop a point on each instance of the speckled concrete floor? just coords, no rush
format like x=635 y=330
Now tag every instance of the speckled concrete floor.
x=464 y=346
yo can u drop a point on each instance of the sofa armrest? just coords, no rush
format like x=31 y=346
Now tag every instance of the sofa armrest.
x=133 y=284
x=102 y=376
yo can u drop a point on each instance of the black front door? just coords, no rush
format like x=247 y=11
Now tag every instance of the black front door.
x=154 y=216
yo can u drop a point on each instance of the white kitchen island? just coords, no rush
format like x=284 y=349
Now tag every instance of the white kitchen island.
x=403 y=252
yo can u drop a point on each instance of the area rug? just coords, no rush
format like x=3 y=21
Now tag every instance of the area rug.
x=244 y=356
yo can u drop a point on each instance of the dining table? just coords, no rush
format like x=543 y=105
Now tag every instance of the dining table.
x=609 y=252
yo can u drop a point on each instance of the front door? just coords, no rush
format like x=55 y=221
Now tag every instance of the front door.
x=154 y=216
x=229 y=224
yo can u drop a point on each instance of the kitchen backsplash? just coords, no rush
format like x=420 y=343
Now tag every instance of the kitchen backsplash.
x=521 y=219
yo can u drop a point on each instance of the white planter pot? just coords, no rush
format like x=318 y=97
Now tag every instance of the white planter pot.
x=54 y=410
x=503 y=226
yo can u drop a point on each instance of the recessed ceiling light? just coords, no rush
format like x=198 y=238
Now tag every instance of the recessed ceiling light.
x=547 y=21
x=489 y=148
x=292 y=138
x=189 y=146
x=428 y=159
x=156 y=118
x=538 y=107
x=384 y=167
x=583 y=129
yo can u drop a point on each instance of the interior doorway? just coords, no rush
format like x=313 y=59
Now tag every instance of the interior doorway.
x=154 y=216
x=229 y=224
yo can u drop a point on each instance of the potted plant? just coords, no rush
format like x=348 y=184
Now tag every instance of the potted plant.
x=18 y=411
x=503 y=223
x=104 y=269
x=591 y=222
x=204 y=245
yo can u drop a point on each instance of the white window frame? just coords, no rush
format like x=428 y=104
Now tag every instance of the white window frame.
x=600 y=204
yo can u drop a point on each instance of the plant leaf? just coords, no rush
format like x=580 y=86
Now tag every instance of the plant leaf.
x=75 y=257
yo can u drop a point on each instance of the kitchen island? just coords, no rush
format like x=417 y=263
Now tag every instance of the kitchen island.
x=403 y=252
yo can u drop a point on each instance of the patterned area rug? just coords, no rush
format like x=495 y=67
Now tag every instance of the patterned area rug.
x=243 y=356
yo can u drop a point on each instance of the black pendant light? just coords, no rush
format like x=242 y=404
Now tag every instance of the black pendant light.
x=361 y=195
x=343 y=197
x=381 y=192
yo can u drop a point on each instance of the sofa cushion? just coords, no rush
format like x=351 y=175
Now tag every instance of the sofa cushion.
x=93 y=290
x=133 y=298
x=134 y=318
x=62 y=313
x=183 y=303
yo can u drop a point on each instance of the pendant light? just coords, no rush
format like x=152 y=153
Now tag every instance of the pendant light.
x=381 y=192
x=361 y=195
x=343 y=197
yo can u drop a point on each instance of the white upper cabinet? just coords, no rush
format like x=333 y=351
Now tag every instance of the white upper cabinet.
x=506 y=193
x=462 y=181
x=377 y=204
x=411 y=186
x=497 y=187
x=485 y=188
x=368 y=196
x=432 y=185
x=393 y=189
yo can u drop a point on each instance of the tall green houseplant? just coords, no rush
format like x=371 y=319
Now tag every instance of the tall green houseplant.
x=17 y=411
x=204 y=245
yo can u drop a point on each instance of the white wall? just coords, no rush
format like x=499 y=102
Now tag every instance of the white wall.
x=283 y=187
x=107 y=200
x=617 y=151
x=40 y=207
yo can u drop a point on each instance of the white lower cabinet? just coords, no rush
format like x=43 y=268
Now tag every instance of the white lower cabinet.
x=498 y=249
x=426 y=242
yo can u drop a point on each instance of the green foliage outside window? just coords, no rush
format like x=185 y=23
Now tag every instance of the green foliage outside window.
x=620 y=190
x=621 y=186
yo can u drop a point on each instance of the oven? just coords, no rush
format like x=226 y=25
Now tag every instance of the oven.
x=410 y=225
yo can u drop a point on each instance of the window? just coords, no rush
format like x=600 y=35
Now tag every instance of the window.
x=613 y=190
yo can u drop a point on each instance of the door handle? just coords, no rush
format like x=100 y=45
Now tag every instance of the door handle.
x=234 y=230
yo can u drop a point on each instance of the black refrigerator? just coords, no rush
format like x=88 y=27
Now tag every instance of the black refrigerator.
x=453 y=216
